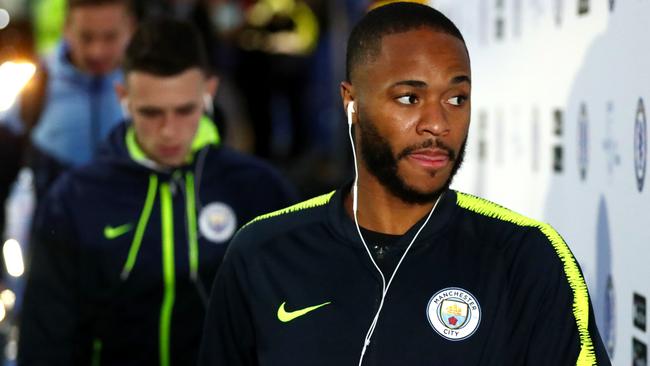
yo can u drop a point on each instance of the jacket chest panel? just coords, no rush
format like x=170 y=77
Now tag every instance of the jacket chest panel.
x=406 y=324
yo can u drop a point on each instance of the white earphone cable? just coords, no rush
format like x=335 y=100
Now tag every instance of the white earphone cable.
x=385 y=286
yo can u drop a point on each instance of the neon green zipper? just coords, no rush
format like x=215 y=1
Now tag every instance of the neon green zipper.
x=167 y=218
x=190 y=206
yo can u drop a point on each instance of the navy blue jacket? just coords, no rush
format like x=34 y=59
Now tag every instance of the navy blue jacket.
x=123 y=256
x=481 y=285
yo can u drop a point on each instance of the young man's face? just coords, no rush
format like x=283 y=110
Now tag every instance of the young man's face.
x=98 y=36
x=413 y=112
x=166 y=112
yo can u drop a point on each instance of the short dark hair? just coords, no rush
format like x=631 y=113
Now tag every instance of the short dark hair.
x=364 y=43
x=165 y=47
x=128 y=4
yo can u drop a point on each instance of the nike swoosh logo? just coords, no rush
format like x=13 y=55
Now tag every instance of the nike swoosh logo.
x=111 y=232
x=287 y=316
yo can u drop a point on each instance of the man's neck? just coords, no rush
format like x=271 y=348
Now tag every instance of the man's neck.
x=379 y=210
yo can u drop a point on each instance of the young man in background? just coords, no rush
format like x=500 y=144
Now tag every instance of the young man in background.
x=125 y=249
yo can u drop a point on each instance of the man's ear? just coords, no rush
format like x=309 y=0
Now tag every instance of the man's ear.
x=347 y=96
x=211 y=85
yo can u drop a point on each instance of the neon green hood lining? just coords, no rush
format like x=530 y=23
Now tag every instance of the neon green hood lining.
x=206 y=134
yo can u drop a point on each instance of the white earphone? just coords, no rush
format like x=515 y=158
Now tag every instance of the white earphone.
x=350 y=110
x=207 y=104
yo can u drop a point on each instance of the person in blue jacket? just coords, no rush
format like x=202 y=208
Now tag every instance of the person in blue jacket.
x=125 y=249
x=77 y=106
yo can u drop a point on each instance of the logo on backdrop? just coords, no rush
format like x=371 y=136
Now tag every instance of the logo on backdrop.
x=516 y=18
x=583 y=141
x=535 y=140
x=611 y=5
x=558 y=149
x=605 y=300
x=499 y=138
x=583 y=7
x=217 y=222
x=559 y=7
x=610 y=146
x=639 y=353
x=483 y=22
x=499 y=21
x=640 y=145
x=482 y=136
x=640 y=313
x=454 y=313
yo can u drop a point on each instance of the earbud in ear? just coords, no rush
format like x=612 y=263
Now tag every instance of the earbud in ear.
x=350 y=110
x=207 y=104
x=350 y=107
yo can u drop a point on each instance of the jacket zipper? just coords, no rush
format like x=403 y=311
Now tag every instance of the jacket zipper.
x=167 y=219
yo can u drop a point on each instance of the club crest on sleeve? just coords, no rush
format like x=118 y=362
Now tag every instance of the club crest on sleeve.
x=217 y=222
x=454 y=313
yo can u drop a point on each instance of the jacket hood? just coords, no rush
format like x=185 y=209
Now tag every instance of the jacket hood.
x=122 y=148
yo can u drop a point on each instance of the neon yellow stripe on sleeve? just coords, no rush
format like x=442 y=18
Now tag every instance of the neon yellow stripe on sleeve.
x=311 y=203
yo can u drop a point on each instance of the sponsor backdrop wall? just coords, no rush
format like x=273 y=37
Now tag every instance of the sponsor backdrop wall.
x=559 y=133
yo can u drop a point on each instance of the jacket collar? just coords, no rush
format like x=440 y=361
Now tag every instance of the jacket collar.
x=61 y=65
x=343 y=225
x=206 y=135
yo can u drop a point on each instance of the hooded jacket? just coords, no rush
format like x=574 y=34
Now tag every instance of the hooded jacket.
x=124 y=254
x=480 y=285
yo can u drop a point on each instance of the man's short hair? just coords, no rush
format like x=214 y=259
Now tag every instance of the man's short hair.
x=165 y=47
x=364 y=43
x=128 y=4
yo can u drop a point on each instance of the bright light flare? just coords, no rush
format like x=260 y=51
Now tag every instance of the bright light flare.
x=8 y=298
x=13 y=78
x=13 y=255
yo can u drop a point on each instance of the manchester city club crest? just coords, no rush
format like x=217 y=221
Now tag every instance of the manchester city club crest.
x=583 y=7
x=583 y=141
x=217 y=222
x=640 y=145
x=454 y=313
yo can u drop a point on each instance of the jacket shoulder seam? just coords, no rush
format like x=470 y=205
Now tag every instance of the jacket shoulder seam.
x=305 y=205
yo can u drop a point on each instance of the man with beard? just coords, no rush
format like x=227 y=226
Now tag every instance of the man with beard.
x=396 y=268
